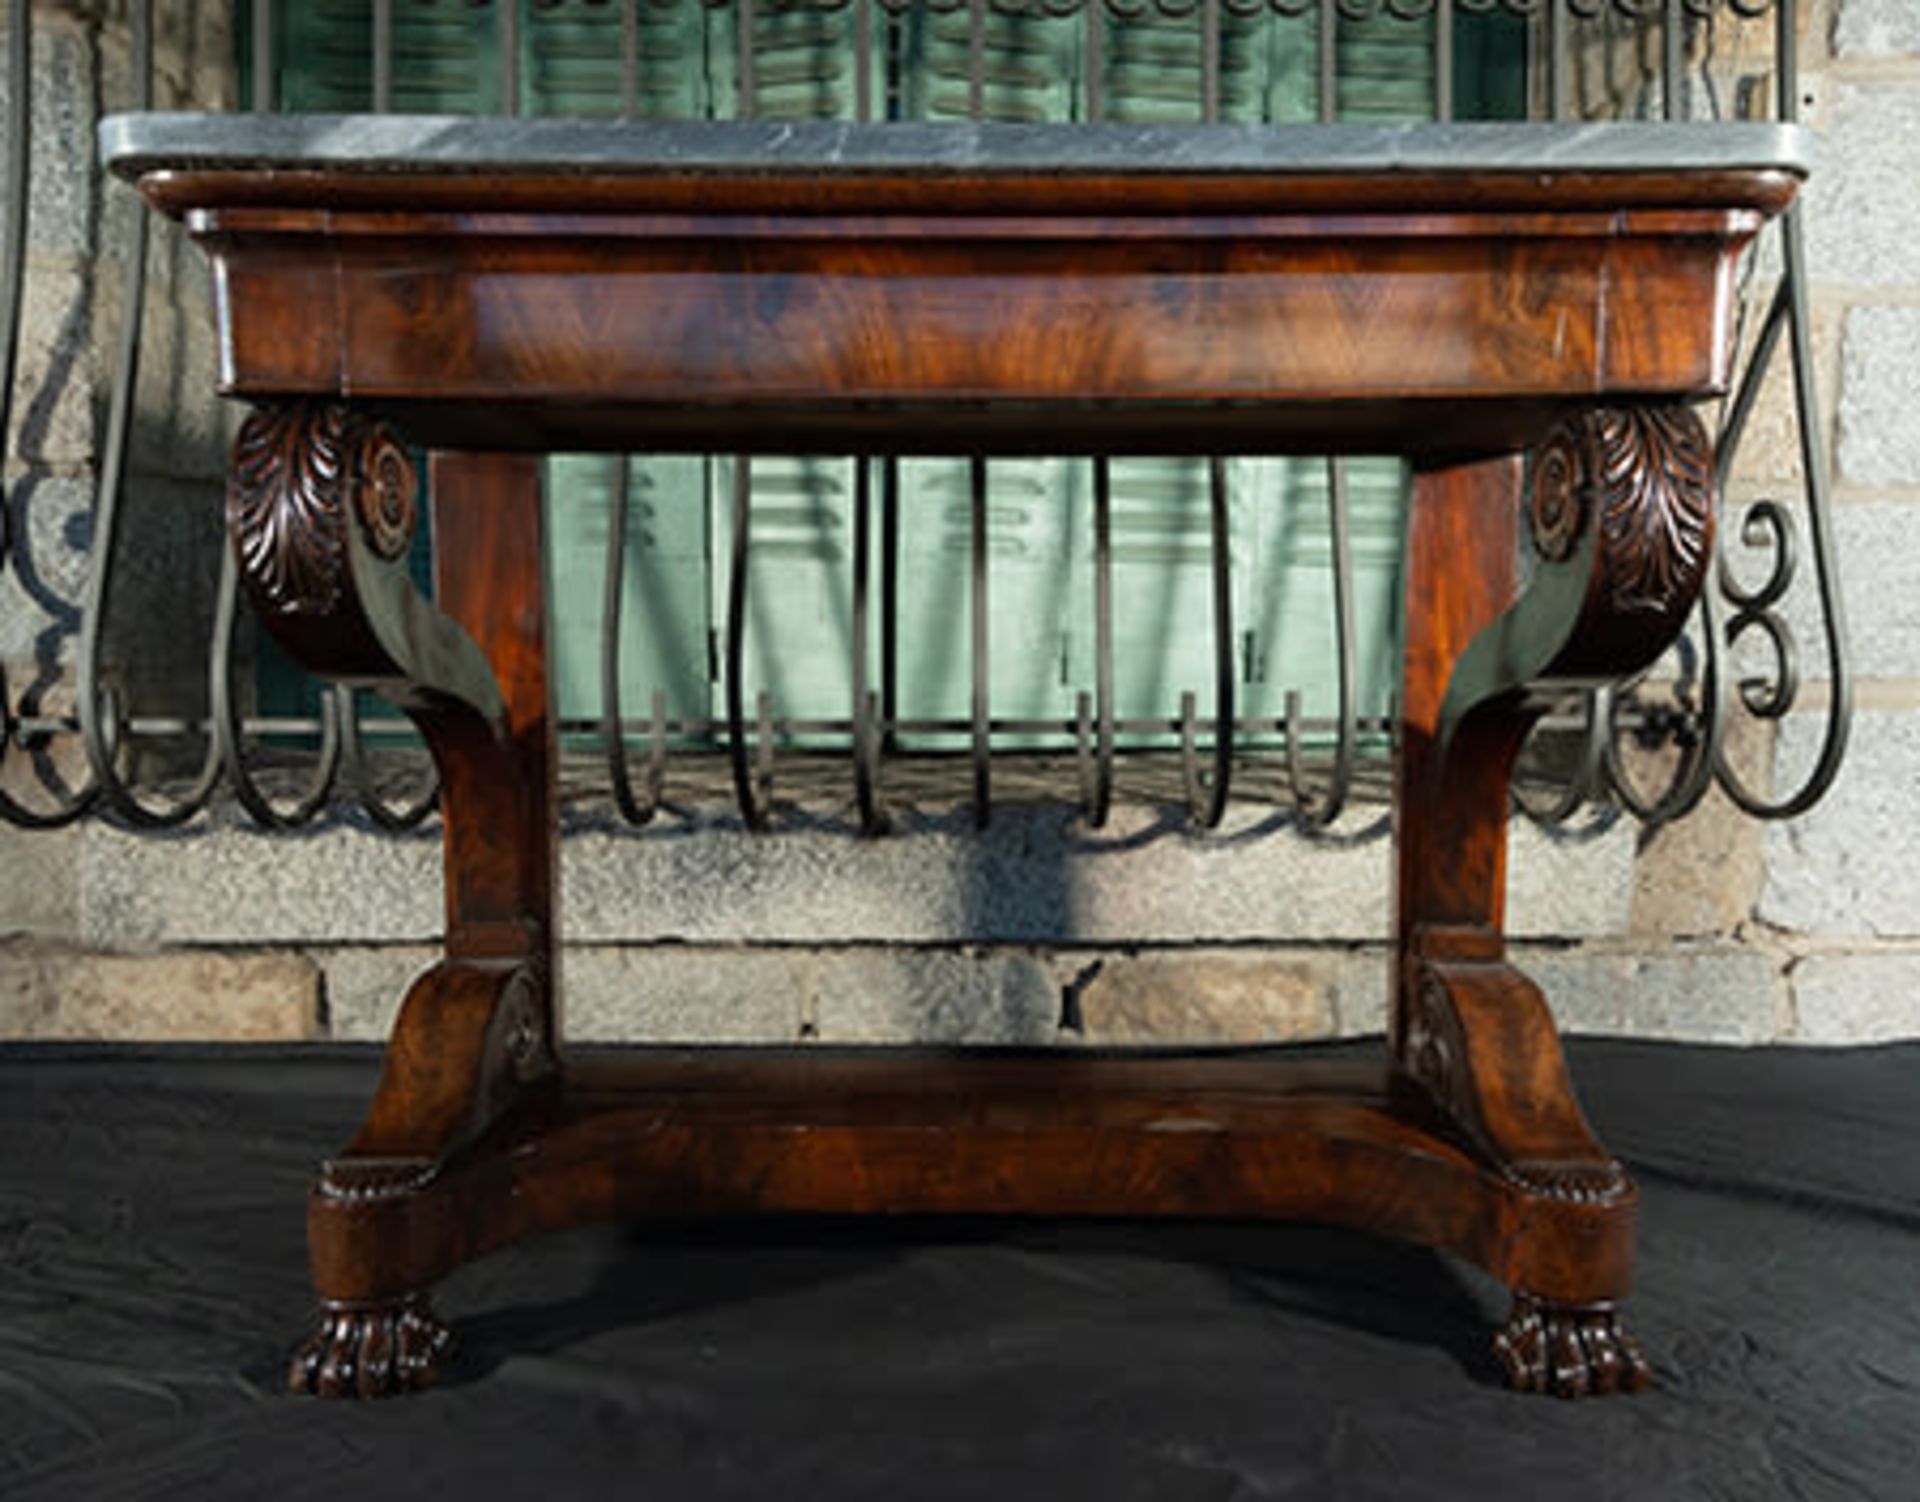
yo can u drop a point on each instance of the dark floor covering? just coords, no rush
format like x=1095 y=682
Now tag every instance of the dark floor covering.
x=152 y=1274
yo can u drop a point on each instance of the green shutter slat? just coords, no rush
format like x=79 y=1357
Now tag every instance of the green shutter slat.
x=664 y=599
x=1029 y=581
x=1162 y=549
x=1290 y=617
x=799 y=617
x=1030 y=67
x=572 y=62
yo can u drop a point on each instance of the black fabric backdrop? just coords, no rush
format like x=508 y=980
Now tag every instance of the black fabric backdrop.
x=152 y=1273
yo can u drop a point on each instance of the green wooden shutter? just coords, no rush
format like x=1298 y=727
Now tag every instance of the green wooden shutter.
x=1039 y=525
x=1383 y=71
x=570 y=65
x=1030 y=72
x=664 y=601
x=798 y=627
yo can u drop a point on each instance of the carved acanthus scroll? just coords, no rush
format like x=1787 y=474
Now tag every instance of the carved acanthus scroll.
x=1644 y=475
x=297 y=471
x=322 y=501
x=1620 y=512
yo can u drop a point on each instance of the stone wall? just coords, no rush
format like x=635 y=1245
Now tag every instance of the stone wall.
x=1714 y=929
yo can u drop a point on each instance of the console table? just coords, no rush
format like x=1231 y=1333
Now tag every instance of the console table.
x=1525 y=312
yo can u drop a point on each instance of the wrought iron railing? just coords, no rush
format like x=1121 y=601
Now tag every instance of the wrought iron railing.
x=1689 y=709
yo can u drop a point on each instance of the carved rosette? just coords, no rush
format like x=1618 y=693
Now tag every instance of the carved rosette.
x=1557 y=507
x=388 y=494
x=1644 y=476
x=298 y=470
x=1430 y=1046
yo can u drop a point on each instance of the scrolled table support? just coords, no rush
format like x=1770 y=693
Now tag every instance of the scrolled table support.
x=322 y=502
x=1616 y=506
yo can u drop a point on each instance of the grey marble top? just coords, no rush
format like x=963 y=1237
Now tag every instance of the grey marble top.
x=135 y=144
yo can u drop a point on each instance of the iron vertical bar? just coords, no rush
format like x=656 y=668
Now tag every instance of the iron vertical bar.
x=98 y=707
x=509 y=34
x=976 y=59
x=1443 y=39
x=382 y=56
x=1209 y=803
x=1321 y=809
x=629 y=59
x=1102 y=641
x=889 y=600
x=752 y=811
x=863 y=59
x=613 y=602
x=263 y=57
x=13 y=276
x=1556 y=44
x=1210 y=61
x=354 y=768
x=864 y=734
x=982 y=727
x=228 y=733
x=1094 y=50
x=743 y=108
x=1327 y=71
x=1786 y=61
x=13 y=239
x=1673 y=62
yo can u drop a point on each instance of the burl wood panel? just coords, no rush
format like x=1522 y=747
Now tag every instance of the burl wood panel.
x=673 y=315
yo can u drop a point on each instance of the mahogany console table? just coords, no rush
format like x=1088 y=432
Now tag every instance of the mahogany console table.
x=1524 y=312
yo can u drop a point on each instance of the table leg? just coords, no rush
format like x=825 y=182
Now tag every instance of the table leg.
x=1617 y=508
x=321 y=507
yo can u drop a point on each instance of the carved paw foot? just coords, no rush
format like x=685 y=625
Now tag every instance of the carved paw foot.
x=1569 y=1350
x=372 y=1352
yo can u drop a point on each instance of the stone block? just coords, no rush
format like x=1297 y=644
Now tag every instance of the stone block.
x=609 y=993
x=60 y=197
x=44 y=579
x=1863 y=219
x=222 y=882
x=39 y=888
x=55 y=382
x=1701 y=874
x=193 y=996
x=363 y=986
x=1037 y=877
x=1711 y=993
x=1879 y=565
x=1871 y=997
x=1876 y=28
x=1189 y=996
x=1768 y=461
x=676 y=994
x=903 y=995
x=1847 y=866
x=1569 y=883
x=1879 y=443
x=1362 y=981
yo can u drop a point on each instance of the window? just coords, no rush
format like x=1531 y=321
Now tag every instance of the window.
x=801 y=62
